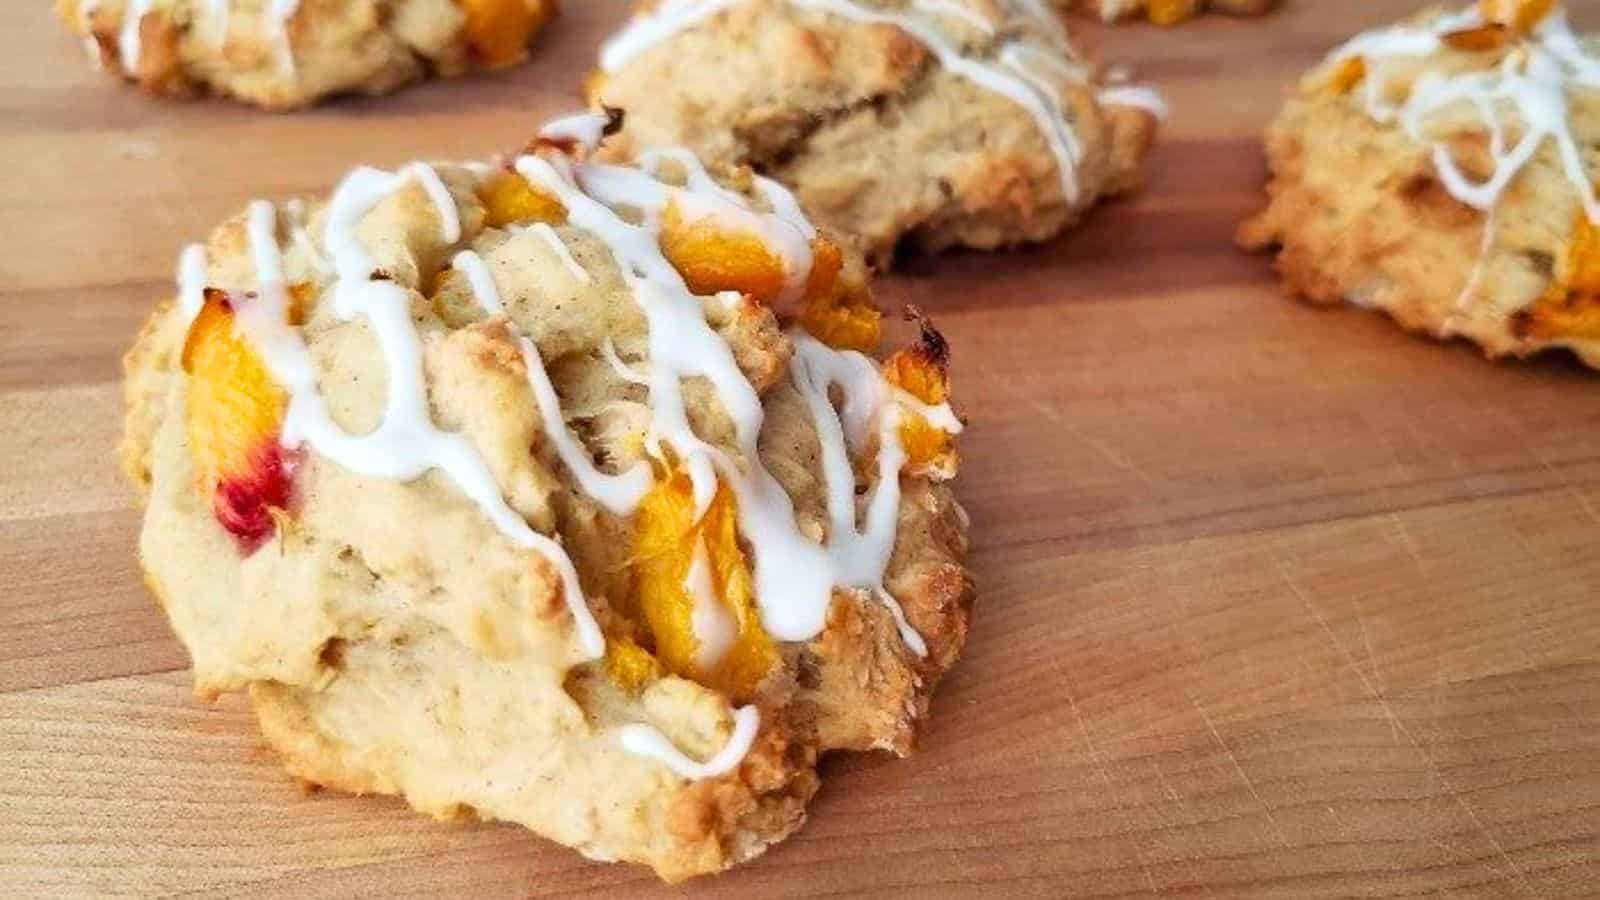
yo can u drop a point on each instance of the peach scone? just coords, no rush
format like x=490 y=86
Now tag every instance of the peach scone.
x=283 y=54
x=933 y=124
x=554 y=492
x=1166 y=12
x=1443 y=171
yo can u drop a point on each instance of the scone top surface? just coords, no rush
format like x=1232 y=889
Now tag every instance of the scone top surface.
x=283 y=54
x=1443 y=170
x=935 y=122
x=525 y=489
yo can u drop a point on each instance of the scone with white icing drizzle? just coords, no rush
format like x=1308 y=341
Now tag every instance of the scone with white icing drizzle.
x=1443 y=170
x=1167 y=12
x=554 y=492
x=933 y=123
x=283 y=54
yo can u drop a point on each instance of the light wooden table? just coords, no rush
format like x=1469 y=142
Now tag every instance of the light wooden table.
x=1275 y=601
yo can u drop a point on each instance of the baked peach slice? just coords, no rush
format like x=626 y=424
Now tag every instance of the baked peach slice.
x=712 y=259
x=1571 y=306
x=838 y=311
x=233 y=421
x=498 y=30
x=693 y=591
x=509 y=199
x=1521 y=16
x=835 y=310
x=922 y=371
x=1172 y=12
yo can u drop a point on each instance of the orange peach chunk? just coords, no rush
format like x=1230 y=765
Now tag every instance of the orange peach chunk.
x=666 y=539
x=509 y=199
x=233 y=420
x=1521 y=16
x=630 y=666
x=840 y=316
x=1481 y=39
x=1350 y=73
x=1571 y=306
x=922 y=372
x=711 y=258
x=498 y=31
x=1172 y=12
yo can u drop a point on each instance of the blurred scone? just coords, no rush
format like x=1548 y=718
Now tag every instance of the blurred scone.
x=553 y=492
x=282 y=54
x=939 y=123
x=1442 y=170
x=1167 y=12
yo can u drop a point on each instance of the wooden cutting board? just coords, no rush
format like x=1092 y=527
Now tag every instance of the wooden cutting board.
x=1275 y=601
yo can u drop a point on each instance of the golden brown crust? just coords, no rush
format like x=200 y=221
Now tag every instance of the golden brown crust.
x=325 y=48
x=879 y=140
x=145 y=366
x=1357 y=212
x=393 y=641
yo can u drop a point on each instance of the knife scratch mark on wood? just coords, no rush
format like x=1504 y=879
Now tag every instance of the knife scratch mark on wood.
x=1588 y=507
x=1435 y=772
x=1277 y=829
x=1105 y=775
x=1406 y=540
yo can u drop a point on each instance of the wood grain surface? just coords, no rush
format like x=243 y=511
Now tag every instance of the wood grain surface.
x=1275 y=602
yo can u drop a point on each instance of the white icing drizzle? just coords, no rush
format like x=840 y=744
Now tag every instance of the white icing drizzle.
x=1112 y=10
x=406 y=444
x=470 y=264
x=786 y=207
x=1020 y=57
x=784 y=229
x=619 y=494
x=1137 y=96
x=130 y=41
x=650 y=28
x=860 y=555
x=278 y=14
x=674 y=338
x=1533 y=79
x=191 y=281
x=794 y=576
x=1474 y=280
x=218 y=11
x=295 y=211
x=1015 y=74
x=714 y=628
x=644 y=740
x=1041 y=104
x=586 y=128
x=955 y=9
x=608 y=350
x=559 y=247
x=1047 y=19
x=281 y=10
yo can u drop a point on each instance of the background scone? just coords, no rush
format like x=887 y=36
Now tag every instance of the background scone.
x=954 y=123
x=1443 y=171
x=1167 y=12
x=282 y=54
x=510 y=490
